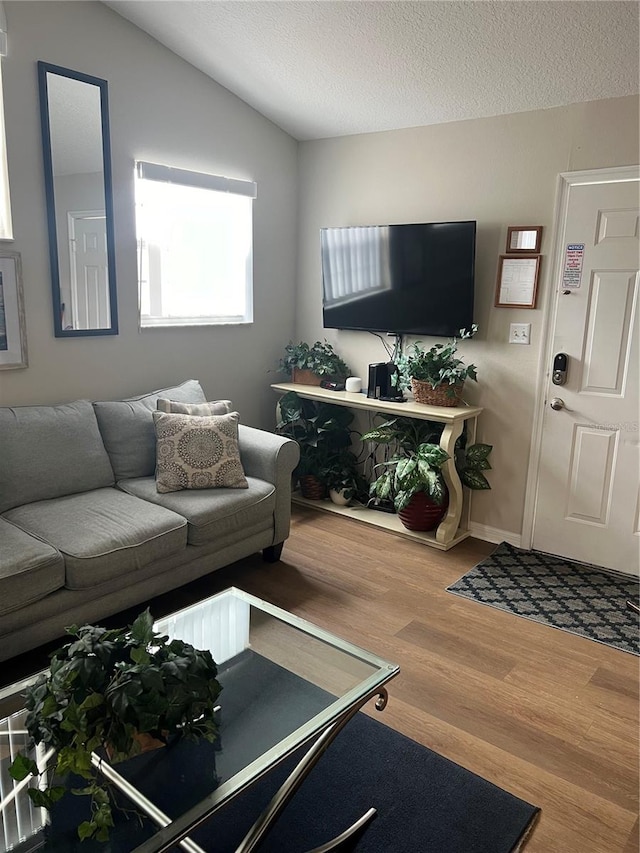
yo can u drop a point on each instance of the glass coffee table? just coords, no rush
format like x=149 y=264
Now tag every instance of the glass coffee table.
x=286 y=684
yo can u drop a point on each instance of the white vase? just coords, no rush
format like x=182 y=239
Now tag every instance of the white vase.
x=338 y=497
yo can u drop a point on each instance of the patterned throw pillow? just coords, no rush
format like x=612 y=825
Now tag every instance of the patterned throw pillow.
x=195 y=452
x=215 y=407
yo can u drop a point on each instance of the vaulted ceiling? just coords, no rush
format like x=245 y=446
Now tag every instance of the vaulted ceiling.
x=338 y=67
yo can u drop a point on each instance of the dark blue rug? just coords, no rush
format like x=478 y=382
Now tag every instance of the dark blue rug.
x=561 y=593
x=425 y=803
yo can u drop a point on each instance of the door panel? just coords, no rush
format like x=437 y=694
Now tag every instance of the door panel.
x=587 y=501
x=611 y=300
x=89 y=273
x=590 y=474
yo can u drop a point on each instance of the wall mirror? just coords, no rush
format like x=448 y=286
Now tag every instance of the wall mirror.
x=524 y=238
x=77 y=167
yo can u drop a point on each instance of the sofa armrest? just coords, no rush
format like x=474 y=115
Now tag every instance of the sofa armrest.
x=271 y=458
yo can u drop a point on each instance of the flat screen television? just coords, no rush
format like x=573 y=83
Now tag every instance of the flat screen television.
x=415 y=279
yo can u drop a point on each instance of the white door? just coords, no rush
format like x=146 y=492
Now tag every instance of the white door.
x=89 y=272
x=587 y=502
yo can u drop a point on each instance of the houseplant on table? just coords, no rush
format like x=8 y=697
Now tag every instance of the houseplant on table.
x=323 y=432
x=436 y=375
x=343 y=478
x=309 y=365
x=419 y=480
x=126 y=690
x=414 y=483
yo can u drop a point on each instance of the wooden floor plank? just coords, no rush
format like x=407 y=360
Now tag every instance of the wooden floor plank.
x=572 y=819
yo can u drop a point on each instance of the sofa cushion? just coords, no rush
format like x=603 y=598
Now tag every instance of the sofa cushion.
x=212 y=513
x=197 y=452
x=103 y=534
x=29 y=569
x=127 y=427
x=214 y=407
x=48 y=451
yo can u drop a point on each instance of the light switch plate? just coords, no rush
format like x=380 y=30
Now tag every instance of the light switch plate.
x=519 y=333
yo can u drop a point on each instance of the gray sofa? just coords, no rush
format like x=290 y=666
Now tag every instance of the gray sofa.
x=83 y=531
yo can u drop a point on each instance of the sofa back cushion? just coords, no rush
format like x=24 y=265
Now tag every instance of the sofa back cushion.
x=50 y=451
x=127 y=428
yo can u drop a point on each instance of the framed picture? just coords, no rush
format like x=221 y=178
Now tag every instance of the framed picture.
x=524 y=238
x=517 y=284
x=13 y=332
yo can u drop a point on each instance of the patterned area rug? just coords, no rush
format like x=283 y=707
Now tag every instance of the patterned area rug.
x=571 y=596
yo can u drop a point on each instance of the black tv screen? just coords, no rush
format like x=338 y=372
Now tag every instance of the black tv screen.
x=413 y=279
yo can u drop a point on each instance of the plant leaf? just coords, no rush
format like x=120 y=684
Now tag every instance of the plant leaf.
x=21 y=767
x=86 y=829
x=46 y=799
x=433 y=454
x=474 y=479
x=437 y=490
x=93 y=700
x=402 y=500
x=477 y=454
x=142 y=627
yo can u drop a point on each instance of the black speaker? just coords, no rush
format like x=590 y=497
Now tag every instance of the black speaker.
x=378 y=380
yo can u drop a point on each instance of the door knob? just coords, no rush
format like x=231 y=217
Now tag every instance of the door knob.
x=556 y=404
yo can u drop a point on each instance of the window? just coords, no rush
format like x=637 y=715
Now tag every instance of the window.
x=195 y=247
x=6 y=229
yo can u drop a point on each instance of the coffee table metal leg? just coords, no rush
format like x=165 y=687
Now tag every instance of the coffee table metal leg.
x=275 y=808
x=340 y=839
x=140 y=800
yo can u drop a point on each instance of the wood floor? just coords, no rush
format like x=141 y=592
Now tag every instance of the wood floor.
x=547 y=715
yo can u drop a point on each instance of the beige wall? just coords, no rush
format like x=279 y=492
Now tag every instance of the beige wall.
x=162 y=110
x=499 y=171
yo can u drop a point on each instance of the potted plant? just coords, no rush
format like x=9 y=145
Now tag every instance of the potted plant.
x=414 y=483
x=309 y=365
x=322 y=430
x=436 y=375
x=125 y=690
x=343 y=478
x=414 y=440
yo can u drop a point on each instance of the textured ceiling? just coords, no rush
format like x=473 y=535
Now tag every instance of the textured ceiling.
x=338 y=67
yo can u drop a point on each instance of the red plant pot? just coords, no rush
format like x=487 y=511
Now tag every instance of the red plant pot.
x=423 y=513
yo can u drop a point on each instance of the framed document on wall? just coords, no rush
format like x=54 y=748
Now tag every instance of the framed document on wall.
x=517 y=281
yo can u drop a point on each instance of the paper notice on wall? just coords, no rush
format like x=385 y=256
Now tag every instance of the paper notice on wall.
x=572 y=273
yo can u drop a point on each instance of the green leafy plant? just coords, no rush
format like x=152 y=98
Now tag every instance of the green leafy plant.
x=104 y=689
x=471 y=462
x=407 y=433
x=342 y=474
x=405 y=475
x=320 y=358
x=437 y=365
x=321 y=429
x=408 y=436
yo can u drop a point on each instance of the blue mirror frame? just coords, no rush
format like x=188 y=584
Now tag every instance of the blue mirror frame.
x=61 y=330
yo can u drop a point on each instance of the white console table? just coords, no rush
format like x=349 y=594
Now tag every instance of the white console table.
x=453 y=528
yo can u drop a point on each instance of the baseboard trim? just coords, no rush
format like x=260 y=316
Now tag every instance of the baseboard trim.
x=493 y=534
